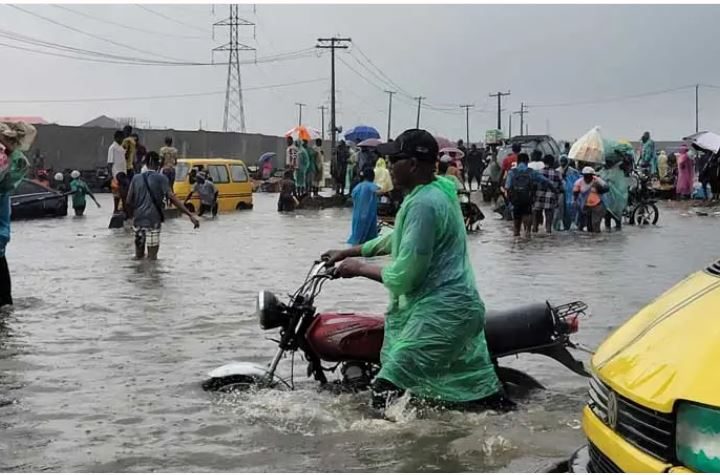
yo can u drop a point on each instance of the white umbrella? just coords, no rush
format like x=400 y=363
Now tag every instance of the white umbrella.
x=705 y=140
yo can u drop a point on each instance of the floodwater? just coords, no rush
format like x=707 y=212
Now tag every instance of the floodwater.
x=102 y=359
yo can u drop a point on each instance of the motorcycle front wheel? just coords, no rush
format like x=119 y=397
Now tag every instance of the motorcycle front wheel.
x=233 y=382
x=644 y=214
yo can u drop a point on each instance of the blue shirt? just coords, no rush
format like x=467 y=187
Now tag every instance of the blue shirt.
x=537 y=177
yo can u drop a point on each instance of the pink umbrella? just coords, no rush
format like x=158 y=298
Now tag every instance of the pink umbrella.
x=454 y=150
x=443 y=142
x=370 y=143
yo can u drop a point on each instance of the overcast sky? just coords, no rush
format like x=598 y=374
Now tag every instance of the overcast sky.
x=451 y=54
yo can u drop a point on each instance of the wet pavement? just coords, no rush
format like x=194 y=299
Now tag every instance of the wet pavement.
x=101 y=361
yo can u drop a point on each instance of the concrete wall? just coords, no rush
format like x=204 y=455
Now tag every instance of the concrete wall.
x=85 y=148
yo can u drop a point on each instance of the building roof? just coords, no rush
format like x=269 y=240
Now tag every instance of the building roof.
x=30 y=119
x=104 y=122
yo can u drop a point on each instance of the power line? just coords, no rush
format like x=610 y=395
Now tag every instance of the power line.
x=98 y=58
x=128 y=27
x=384 y=78
x=614 y=99
x=401 y=97
x=387 y=78
x=169 y=18
x=104 y=57
x=165 y=96
x=91 y=35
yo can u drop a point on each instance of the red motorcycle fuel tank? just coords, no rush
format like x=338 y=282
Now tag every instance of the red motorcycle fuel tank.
x=346 y=337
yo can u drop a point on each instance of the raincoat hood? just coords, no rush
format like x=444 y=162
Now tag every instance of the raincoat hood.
x=446 y=185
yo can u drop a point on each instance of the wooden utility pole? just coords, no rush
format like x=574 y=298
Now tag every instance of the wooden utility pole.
x=523 y=110
x=419 y=99
x=467 y=108
x=697 y=113
x=300 y=106
x=390 y=94
x=332 y=44
x=499 y=96
x=322 y=121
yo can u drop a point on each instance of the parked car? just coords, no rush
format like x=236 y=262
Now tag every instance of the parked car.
x=545 y=143
x=32 y=200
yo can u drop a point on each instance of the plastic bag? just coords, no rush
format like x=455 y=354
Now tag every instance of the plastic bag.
x=589 y=148
x=434 y=344
x=16 y=169
x=20 y=134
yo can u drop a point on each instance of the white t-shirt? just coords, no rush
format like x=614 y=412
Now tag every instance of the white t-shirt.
x=116 y=157
x=537 y=166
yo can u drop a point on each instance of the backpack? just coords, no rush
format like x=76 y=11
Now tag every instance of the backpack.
x=521 y=192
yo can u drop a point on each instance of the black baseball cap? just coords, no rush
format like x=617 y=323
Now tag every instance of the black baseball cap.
x=413 y=143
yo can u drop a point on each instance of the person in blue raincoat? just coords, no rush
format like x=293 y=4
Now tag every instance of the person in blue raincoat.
x=365 y=202
x=567 y=209
x=434 y=343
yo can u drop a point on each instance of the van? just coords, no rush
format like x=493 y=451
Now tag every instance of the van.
x=654 y=394
x=231 y=178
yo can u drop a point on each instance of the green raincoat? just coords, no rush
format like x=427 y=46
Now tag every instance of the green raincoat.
x=302 y=166
x=616 y=199
x=434 y=329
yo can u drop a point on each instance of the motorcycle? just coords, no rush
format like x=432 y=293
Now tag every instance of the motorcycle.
x=490 y=189
x=352 y=342
x=472 y=214
x=641 y=208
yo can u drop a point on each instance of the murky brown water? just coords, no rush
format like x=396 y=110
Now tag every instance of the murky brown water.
x=101 y=361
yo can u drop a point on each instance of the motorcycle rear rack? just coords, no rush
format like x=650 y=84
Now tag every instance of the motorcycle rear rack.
x=569 y=309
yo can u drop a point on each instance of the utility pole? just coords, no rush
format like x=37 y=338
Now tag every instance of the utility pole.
x=467 y=108
x=390 y=94
x=499 y=96
x=322 y=121
x=300 y=106
x=419 y=99
x=510 y=125
x=234 y=115
x=332 y=44
x=523 y=110
x=697 y=115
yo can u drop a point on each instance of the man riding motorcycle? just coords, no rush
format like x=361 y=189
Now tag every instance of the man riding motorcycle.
x=434 y=343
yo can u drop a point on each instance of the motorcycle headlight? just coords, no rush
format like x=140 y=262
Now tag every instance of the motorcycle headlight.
x=269 y=310
x=697 y=439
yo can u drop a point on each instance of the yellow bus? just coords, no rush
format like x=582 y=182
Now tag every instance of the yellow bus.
x=231 y=178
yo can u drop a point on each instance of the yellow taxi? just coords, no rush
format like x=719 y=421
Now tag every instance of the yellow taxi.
x=231 y=178
x=654 y=395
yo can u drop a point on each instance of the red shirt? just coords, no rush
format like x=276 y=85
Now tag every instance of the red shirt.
x=509 y=161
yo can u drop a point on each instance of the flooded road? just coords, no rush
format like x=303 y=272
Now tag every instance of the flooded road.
x=101 y=361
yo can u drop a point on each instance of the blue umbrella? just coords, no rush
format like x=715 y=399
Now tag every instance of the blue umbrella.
x=266 y=156
x=361 y=132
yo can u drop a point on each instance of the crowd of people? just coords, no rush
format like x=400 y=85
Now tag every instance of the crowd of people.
x=304 y=166
x=142 y=185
